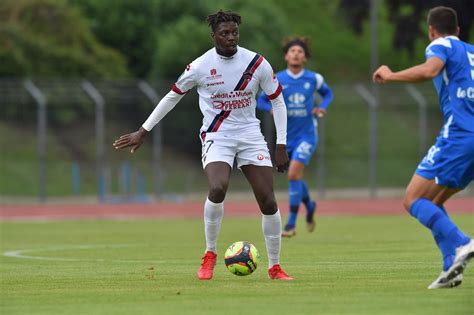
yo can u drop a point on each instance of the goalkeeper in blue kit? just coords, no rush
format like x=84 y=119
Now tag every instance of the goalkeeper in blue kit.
x=299 y=88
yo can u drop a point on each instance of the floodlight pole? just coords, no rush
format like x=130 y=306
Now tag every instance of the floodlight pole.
x=373 y=104
x=99 y=101
x=153 y=97
x=41 y=102
x=422 y=116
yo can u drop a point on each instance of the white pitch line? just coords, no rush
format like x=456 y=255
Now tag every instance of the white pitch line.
x=21 y=253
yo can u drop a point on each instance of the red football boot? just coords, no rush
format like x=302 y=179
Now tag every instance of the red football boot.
x=276 y=273
x=207 y=266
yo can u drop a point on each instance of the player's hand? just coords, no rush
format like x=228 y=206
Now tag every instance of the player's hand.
x=320 y=112
x=134 y=140
x=281 y=158
x=382 y=74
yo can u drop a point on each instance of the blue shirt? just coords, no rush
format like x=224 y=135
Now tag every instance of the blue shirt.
x=298 y=92
x=455 y=83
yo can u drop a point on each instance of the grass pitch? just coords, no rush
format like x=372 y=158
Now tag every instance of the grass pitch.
x=350 y=265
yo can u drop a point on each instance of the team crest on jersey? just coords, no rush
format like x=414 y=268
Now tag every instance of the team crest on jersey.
x=188 y=67
x=213 y=76
x=307 y=85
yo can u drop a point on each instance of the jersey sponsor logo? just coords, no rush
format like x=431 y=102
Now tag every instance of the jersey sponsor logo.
x=262 y=157
x=467 y=93
x=232 y=104
x=233 y=94
x=215 y=83
x=297 y=112
x=297 y=98
x=213 y=71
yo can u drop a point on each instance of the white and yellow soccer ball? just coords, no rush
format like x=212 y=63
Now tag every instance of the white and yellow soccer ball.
x=242 y=258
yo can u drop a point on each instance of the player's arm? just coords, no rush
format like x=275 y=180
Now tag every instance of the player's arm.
x=272 y=88
x=326 y=94
x=136 y=139
x=263 y=103
x=426 y=71
x=280 y=119
x=168 y=102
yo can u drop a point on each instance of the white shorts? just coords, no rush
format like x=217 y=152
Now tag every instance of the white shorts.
x=224 y=147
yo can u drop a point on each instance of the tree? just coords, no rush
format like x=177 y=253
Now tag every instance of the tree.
x=406 y=16
x=128 y=26
x=159 y=37
x=48 y=38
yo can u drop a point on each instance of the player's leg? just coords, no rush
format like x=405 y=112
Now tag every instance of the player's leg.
x=298 y=188
x=310 y=206
x=295 y=196
x=454 y=258
x=218 y=175
x=217 y=158
x=448 y=252
x=309 y=203
x=418 y=201
x=261 y=180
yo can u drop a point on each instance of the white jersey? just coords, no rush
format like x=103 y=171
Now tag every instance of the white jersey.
x=227 y=87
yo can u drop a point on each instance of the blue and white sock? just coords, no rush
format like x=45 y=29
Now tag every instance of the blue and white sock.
x=294 y=198
x=305 y=195
x=438 y=222
x=447 y=251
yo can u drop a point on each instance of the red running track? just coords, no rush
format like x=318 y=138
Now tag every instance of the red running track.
x=194 y=210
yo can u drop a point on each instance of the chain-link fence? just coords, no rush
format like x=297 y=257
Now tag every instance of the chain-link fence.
x=57 y=139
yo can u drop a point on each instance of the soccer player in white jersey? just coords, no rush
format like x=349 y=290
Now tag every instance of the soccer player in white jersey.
x=228 y=78
x=448 y=167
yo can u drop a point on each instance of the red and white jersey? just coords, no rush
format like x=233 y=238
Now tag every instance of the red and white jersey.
x=227 y=88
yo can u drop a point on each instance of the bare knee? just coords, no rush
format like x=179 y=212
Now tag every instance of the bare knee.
x=407 y=201
x=295 y=173
x=267 y=204
x=294 y=176
x=217 y=193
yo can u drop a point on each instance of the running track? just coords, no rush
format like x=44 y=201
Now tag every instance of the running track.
x=194 y=209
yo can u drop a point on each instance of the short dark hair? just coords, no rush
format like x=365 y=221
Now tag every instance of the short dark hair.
x=303 y=42
x=228 y=16
x=443 y=19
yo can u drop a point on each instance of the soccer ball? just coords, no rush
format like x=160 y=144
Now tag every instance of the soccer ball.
x=242 y=258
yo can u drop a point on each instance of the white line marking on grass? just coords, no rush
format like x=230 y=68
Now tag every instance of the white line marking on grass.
x=20 y=253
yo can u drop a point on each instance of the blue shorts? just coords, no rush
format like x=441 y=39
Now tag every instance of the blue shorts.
x=303 y=149
x=450 y=162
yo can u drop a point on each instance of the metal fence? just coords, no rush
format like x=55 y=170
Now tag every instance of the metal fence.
x=57 y=139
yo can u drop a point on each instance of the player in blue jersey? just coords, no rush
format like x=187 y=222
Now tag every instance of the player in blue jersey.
x=448 y=166
x=299 y=88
